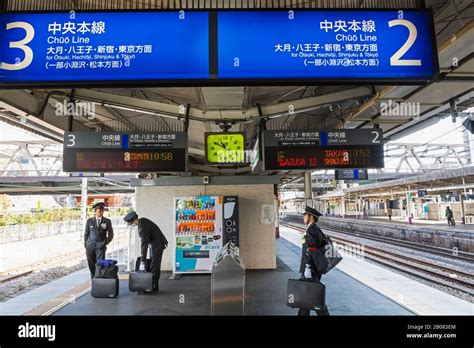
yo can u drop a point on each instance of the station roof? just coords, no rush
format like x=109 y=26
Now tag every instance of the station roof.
x=443 y=181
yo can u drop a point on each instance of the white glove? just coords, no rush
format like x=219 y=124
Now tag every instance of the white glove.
x=307 y=272
x=142 y=266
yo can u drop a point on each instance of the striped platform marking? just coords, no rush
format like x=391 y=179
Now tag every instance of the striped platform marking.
x=70 y=296
x=407 y=302
x=55 y=304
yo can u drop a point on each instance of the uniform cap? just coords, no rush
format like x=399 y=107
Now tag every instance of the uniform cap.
x=312 y=211
x=130 y=217
x=99 y=205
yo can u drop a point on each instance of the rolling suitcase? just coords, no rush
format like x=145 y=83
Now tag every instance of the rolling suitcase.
x=105 y=287
x=306 y=294
x=140 y=281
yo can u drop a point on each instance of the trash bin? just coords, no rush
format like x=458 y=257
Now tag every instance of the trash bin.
x=228 y=282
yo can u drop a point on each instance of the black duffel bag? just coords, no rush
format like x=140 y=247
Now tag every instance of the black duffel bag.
x=325 y=258
x=108 y=272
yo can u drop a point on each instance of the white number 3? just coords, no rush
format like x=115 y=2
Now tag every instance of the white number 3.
x=413 y=33
x=30 y=34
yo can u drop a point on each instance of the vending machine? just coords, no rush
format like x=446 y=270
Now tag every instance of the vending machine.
x=202 y=226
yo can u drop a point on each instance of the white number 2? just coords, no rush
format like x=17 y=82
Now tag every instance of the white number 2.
x=413 y=33
x=22 y=45
x=376 y=137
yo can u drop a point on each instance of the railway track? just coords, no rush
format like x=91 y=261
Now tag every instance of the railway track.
x=23 y=271
x=459 y=255
x=438 y=274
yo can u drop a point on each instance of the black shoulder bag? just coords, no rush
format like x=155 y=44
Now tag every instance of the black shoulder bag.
x=325 y=258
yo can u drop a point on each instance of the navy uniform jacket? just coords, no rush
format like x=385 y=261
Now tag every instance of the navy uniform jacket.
x=150 y=234
x=313 y=238
x=98 y=237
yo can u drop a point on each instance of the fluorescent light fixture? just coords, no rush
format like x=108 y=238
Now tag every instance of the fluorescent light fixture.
x=139 y=111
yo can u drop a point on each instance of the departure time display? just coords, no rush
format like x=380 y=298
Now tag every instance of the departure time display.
x=317 y=157
x=107 y=160
x=124 y=152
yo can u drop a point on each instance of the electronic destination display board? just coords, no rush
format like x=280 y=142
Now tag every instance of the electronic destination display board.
x=335 y=149
x=333 y=44
x=64 y=48
x=124 y=152
x=351 y=174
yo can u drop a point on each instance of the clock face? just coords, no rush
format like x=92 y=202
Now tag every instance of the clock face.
x=225 y=148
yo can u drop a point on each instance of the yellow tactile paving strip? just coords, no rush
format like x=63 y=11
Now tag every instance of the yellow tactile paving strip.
x=64 y=299
x=56 y=303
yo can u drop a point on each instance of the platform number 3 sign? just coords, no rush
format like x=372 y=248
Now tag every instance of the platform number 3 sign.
x=22 y=45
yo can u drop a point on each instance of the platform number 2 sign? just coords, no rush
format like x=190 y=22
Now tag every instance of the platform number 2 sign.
x=22 y=45
x=396 y=60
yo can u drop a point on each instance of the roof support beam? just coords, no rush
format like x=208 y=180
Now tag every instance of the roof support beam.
x=276 y=110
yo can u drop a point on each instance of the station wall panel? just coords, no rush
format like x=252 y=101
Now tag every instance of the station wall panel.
x=257 y=241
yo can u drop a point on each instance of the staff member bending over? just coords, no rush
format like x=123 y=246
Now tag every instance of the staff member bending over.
x=150 y=234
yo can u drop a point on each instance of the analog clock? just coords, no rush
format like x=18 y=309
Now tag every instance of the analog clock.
x=225 y=148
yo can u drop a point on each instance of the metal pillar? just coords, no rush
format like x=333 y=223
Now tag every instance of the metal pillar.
x=343 y=206
x=463 y=215
x=469 y=137
x=277 y=211
x=84 y=199
x=308 y=189
x=453 y=110
x=359 y=205
x=409 y=208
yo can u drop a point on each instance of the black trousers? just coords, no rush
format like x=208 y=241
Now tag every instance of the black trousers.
x=155 y=266
x=92 y=256
x=306 y=312
x=321 y=312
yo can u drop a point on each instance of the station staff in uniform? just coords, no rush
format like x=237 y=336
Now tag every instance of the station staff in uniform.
x=312 y=238
x=97 y=235
x=150 y=235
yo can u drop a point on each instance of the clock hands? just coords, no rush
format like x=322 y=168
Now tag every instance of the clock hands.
x=221 y=145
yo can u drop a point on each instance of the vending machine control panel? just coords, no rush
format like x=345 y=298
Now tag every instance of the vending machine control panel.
x=231 y=220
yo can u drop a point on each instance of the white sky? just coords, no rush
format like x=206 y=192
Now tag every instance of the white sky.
x=444 y=131
x=12 y=133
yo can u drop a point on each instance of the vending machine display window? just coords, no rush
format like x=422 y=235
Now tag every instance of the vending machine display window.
x=202 y=225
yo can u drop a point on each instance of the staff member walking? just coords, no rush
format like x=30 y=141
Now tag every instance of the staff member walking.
x=97 y=235
x=312 y=239
x=150 y=234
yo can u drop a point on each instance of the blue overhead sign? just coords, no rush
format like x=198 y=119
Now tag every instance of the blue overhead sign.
x=216 y=48
x=103 y=46
x=345 y=45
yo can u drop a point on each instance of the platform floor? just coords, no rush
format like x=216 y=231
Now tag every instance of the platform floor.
x=411 y=294
x=265 y=294
x=356 y=287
